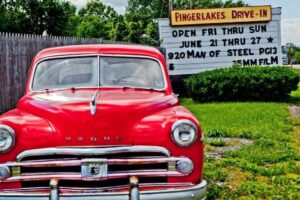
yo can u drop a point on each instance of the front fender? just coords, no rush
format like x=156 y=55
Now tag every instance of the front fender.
x=31 y=132
x=156 y=130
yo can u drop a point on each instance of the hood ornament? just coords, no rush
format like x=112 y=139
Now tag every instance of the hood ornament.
x=93 y=103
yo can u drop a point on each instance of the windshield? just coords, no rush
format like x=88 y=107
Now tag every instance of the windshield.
x=94 y=71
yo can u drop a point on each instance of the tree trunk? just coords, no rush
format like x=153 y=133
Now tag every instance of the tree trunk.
x=192 y=3
x=170 y=7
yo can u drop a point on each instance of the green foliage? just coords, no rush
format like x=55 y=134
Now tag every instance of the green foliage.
x=92 y=26
x=119 y=30
x=243 y=84
x=217 y=133
x=214 y=173
x=267 y=169
x=59 y=17
x=141 y=13
x=148 y=9
x=297 y=56
x=209 y=4
x=215 y=192
x=135 y=30
x=35 y=16
x=281 y=152
x=98 y=9
x=152 y=33
x=72 y=26
x=216 y=142
x=291 y=52
x=257 y=190
x=262 y=120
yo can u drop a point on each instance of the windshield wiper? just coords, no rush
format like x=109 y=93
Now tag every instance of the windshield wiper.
x=53 y=89
x=139 y=88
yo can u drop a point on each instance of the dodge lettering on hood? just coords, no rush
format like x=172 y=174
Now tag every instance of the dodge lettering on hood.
x=100 y=122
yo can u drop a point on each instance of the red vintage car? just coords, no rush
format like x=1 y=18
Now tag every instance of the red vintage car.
x=100 y=122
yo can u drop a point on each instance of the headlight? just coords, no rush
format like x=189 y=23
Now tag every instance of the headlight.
x=184 y=133
x=7 y=138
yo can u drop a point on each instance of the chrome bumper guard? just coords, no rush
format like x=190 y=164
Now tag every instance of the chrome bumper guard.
x=196 y=192
x=99 y=166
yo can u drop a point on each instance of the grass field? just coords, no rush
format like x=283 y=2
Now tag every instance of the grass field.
x=267 y=169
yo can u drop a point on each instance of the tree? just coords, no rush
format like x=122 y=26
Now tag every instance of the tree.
x=152 y=34
x=135 y=31
x=56 y=15
x=98 y=9
x=35 y=16
x=181 y=4
x=12 y=19
x=119 y=30
x=148 y=9
x=98 y=20
x=3 y=18
x=297 y=57
x=143 y=12
x=291 y=52
x=71 y=26
x=92 y=26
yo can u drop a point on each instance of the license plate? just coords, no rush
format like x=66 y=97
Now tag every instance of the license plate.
x=97 y=169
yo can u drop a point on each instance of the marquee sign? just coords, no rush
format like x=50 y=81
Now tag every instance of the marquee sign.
x=192 y=49
x=221 y=15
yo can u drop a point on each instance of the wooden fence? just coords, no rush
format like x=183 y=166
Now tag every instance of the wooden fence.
x=16 y=53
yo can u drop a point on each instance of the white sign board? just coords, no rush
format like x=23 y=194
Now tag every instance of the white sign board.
x=192 y=49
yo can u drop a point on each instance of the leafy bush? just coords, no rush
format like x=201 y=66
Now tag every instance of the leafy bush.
x=243 y=84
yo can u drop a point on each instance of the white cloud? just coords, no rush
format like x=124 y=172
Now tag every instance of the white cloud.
x=79 y=3
x=119 y=5
x=291 y=31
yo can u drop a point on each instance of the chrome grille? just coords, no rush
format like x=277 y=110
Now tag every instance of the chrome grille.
x=113 y=165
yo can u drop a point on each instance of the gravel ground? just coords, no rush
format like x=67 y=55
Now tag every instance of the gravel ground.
x=294 y=110
x=220 y=151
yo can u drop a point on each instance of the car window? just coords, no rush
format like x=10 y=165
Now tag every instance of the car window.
x=86 y=71
x=65 y=73
x=131 y=72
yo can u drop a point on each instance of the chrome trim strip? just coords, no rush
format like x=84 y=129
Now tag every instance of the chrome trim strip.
x=92 y=151
x=66 y=163
x=78 y=176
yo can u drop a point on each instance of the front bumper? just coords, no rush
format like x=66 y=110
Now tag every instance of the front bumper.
x=197 y=192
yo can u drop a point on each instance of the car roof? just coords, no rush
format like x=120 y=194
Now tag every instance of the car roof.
x=94 y=49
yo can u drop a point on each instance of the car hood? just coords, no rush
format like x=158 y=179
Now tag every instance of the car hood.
x=117 y=112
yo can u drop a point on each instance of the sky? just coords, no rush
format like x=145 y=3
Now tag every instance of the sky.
x=290 y=26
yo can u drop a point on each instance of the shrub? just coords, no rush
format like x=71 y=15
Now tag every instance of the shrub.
x=243 y=84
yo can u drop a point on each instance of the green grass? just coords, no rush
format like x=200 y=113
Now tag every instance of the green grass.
x=234 y=119
x=295 y=95
x=268 y=169
x=216 y=142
